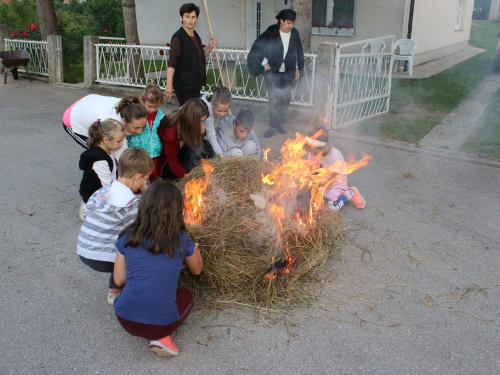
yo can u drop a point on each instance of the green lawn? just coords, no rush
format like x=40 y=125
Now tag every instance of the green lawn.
x=418 y=105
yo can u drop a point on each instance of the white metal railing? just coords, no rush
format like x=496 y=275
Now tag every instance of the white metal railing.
x=36 y=49
x=361 y=80
x=121 y=65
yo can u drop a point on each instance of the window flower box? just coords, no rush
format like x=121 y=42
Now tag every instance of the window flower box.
x=345 y=31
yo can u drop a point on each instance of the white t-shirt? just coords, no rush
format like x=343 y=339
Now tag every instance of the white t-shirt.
x=90 y=108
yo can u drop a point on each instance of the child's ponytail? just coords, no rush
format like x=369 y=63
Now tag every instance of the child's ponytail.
x=152 y=93
x=100 y=130
x=130 y=108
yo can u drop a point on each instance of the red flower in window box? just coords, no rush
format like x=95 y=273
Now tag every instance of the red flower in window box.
x=24 y=34
x=14 y=34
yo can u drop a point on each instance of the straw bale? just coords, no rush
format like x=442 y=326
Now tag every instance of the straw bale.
x=237 y=241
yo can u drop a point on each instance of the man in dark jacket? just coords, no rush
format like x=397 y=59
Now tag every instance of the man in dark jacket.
x=278 y=54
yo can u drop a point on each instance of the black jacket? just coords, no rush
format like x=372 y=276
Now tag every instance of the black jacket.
x=187 y=72
x=90 y=181
x=269 y=45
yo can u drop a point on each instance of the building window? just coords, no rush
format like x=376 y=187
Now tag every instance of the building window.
x=336 y=13
x=460 y=17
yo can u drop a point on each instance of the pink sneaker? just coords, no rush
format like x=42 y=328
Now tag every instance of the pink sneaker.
x=357 y=199
x=164 y=347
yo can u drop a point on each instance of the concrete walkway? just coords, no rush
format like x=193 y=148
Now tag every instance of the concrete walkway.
x=461 y=122
x=416 y=290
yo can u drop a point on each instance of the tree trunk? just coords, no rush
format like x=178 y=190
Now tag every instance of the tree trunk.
x=303 y=23
x=135 y=68
x=46 y=18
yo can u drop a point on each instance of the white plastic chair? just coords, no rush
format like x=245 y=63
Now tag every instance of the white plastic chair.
x=376 y=47
x=406 y=51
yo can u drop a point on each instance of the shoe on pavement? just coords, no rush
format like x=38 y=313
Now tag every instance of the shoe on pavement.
x=269 y=133
x=281 y=130
x=164 y=347
x=357 y=199
x=82 y=211
x=112 y=294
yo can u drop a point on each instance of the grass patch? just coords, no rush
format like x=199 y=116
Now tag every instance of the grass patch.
x=435 y=96
x=486 y=137
x=73 y=73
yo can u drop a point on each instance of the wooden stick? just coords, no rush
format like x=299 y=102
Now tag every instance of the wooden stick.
x=215 y=47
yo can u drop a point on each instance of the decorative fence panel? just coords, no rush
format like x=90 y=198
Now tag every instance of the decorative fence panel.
x=132 y=65
x=37 y=50
x=361 y=80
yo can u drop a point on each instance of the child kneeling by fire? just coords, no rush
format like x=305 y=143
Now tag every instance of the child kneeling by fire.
x=337 y=194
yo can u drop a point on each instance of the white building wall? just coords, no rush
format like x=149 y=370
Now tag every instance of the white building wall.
x=433 y=23
x=372 y=19
x=434 y=28
x=494 y=10
x=158 y=20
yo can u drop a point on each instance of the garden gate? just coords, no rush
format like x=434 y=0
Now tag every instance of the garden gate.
x=361 y=85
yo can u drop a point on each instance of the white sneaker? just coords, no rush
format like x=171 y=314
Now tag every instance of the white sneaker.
x=112 y=294
x=82 y=212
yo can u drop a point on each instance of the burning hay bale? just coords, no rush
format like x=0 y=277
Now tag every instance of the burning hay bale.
x=252 y=254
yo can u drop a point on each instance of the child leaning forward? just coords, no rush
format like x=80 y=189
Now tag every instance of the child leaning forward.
x=236 y=136
x=337 y=194
x=110 y=209
x=151 y=253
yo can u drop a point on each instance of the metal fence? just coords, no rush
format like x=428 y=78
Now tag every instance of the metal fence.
x=36 y=49
x=133 y=65
x=361 y=80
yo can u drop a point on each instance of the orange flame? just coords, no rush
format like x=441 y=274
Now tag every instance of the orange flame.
x=265 y=152
x=194 y=190
x=296 y=174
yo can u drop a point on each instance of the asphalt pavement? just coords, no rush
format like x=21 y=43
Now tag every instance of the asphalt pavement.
x=416 y=289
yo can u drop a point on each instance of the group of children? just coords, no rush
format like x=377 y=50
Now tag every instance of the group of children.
x=134 y=227
x=130 y=226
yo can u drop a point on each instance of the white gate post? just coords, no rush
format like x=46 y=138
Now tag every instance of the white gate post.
x=54 y=58
x=90 y=59
x=323 y=89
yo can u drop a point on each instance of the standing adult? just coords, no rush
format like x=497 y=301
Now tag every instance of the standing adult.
x=186 y=64
x=277 y=53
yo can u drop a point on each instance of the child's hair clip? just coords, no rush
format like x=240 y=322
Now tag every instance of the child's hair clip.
x=97 y=123
x=149 y=96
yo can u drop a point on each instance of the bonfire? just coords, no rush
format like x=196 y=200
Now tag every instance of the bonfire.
x=261 y=226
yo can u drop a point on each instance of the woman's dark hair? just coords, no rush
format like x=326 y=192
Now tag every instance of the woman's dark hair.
x=188 y=120
x=130 y=108
x=286 y=14
x=188 y=8
x=160 y=220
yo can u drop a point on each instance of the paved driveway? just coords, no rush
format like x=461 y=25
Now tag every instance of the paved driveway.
x=416 y=290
